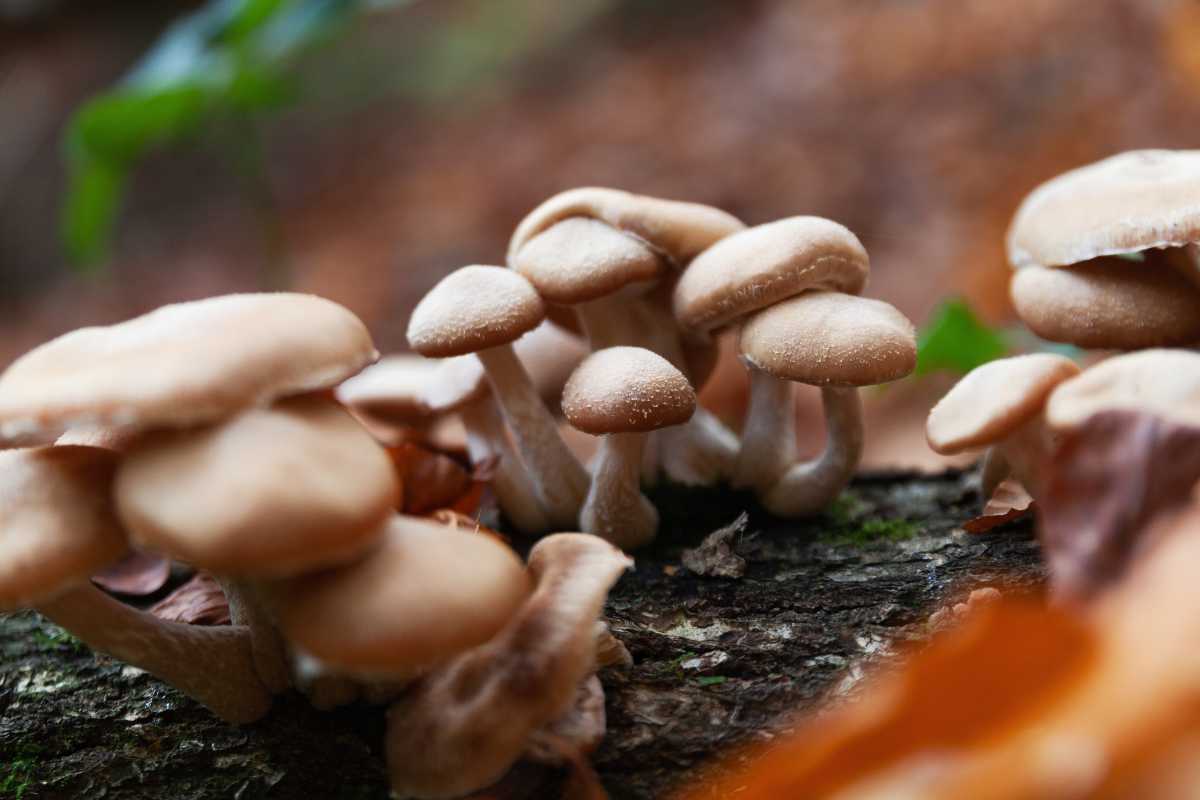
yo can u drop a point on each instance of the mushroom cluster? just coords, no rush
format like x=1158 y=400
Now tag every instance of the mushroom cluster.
x=209 y=432
x=648 y=282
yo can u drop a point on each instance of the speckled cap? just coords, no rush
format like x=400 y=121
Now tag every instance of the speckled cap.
x=995 y=399
x=627 y=390
x=1133 y=201
x=1161 y=382
x=183 y=364
x=472 y=309
x=766 y=264
x=271 y=492
x=57 y=525
x=830 y=339
x=675 y=230
x=1108 y=303
x=425 y=593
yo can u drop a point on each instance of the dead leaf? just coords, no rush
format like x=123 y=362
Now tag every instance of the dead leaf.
x=432 y=480
x=200 y=601
x=714 y=556
x=1009 y=502
x=137 y=574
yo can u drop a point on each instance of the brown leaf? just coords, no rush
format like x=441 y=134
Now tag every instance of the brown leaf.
x=200 y=601
x=431 y=480
x=137 y=574
x=714 y=556
x=1009 y=502
x=1105 y=483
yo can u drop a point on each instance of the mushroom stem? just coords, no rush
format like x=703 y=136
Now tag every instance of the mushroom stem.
x=212 y=665
x=769 y=434
x=1024 y=450
x=266 y=643
x=560 y=480
x=515 y=491
x=807 y=487
x=611 y=321
x=993 y=472
x=699 y=452
x=616 y=510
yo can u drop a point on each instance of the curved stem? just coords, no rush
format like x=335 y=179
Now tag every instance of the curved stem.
x=266 y=642
x=212 y=665
x=769 y=433
x=515 y=491
x=700 y=452
x=810 y=486
x=616 y=510
x=993 y=472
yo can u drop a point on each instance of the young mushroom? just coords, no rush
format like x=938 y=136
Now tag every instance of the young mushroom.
x=620 y=394
x=482 y=310
x=1000 y=405
x=1165 y=383
x=838 y=342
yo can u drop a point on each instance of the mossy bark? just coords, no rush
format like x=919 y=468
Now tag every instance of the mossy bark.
x=718 y=661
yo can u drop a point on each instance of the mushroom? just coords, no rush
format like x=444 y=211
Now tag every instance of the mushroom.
x=1000 y=404
x=620 y=394
x=424 y=594
x=481 y=310
x=838 y=342
x=180 y=365
x=747 y=272
x=57 y=526
x=462 y=726
x=1165 y=383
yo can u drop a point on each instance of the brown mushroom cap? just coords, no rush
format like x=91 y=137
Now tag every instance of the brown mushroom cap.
x=581 y=259
x=993 y=400
x=472 y=309
x=674 y=229
x=271 y=492
x=1133 y=201
x=766 y=264
x=393 y=390
x=830 y=339
x=1108 y=303
x=56 y=520
x=425 y=593
x=1161 y=382
x=183 y=364
x=627 y=390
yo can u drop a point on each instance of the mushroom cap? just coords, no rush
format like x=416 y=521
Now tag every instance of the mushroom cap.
x=995 y=399
x=830 y=339
x=393 y=390
x=766 y=264
x=1161 y=382
x=271 y=492
x=1108 y=303
x=183 y=364
x=676 y=230
x=1132 y=201
x=425 y=593
x=472 y=309
x=581 y=259
x=57 y=525
x=627 y=390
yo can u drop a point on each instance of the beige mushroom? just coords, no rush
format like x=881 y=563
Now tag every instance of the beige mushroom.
x=1165 y=383
x=1000 y=404
x=838 y=342
x=481 y=310
x=620 y=394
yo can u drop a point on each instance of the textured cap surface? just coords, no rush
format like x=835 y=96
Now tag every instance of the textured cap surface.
x=625 y=390
x=56 y=520
x=393 y=390
x=676 y=230
x=1108 y=303
x=1129 y=202
x=425 y=593
x=183 y=364
x=581 y=259
x=270 y=492
x=766 y=264
x=995 y=399
x=830 y=339
x=472 y=309
x=1161 y=382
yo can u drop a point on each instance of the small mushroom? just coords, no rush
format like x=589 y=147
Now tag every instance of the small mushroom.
x=1165 y=383
x=838 y=342
x=620 y=394
x=481 y=310
x=1000 y=405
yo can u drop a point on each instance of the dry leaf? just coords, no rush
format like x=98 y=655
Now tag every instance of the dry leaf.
x=200 y=601
x=137 y=574
x=714 y=556
x=1009 y=502
x=431 y=480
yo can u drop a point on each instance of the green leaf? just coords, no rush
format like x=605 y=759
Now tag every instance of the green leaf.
x=93 y=199
x=956 y=340
x=119 y=126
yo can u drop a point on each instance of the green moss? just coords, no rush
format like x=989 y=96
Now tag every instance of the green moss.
x=711 y=680
x=58 y=639
x=851 y=522
x=16 y=776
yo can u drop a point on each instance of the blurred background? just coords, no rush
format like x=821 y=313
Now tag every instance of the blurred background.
x=155 y=152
